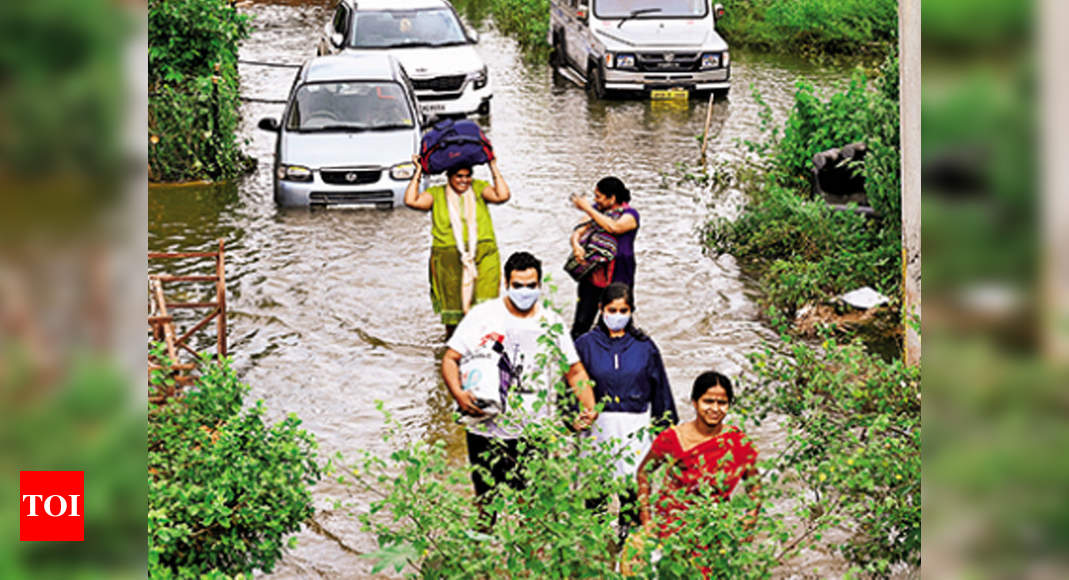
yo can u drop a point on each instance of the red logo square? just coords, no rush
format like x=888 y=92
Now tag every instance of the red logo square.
x=51 y=506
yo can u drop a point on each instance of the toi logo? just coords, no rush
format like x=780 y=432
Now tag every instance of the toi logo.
x=51 y=506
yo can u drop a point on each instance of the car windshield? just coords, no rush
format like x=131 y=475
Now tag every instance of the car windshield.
x=400 y=28
x=349 y=106
x=651 y=8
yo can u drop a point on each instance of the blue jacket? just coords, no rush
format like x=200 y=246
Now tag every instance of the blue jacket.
x=628 y=374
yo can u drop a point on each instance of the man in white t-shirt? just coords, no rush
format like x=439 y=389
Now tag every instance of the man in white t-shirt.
x=515 y=320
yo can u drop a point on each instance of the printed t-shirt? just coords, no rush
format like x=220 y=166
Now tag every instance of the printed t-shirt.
x=492 y=321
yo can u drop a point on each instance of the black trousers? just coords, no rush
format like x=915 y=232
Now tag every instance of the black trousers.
x=586 y=310
x=628 y=507
x=500 y=457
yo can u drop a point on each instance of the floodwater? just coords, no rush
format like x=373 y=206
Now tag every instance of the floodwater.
x=329 y=310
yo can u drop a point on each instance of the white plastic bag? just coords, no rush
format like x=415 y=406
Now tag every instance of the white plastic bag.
x=480 y=373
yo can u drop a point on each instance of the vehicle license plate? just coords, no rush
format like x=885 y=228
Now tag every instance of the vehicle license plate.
x=433 y=108
x=669 y=94
x=663 y=105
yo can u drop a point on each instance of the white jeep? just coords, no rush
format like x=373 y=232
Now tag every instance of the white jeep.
x=640 y=45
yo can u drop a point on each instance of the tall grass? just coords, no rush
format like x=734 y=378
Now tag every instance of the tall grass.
x=811 y=26
x=796 y=26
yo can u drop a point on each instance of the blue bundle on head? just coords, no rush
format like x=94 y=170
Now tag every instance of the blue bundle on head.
x=450 y=144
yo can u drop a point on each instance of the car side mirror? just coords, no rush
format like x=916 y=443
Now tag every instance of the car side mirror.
x=269 y=124
x=718 y=10
x=336 y=39
x=583 y=12
x=473 y=36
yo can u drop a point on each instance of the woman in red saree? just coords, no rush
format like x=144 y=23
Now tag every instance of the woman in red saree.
x=700 y=453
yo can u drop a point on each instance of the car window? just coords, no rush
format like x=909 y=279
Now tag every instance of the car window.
x=399 y=28
x=349 y=106
x=659 y=8
x=341 y=15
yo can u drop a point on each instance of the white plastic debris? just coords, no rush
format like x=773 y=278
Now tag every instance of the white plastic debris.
x=864 y=298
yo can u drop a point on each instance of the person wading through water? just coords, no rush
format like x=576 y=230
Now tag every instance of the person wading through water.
x=518 y=322
x=611 y=211
x=465 y=267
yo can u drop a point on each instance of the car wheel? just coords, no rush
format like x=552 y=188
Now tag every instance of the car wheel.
x=595 y=82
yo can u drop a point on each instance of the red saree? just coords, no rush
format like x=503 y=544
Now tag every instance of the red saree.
x=729 y=453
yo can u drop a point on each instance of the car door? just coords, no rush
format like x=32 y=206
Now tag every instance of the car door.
x=577 y=35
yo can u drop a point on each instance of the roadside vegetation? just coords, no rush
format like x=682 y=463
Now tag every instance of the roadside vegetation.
x=803 y=251
x=527 y=21
x=852 y=414
x=224 y=488
x=811 y=27
x=851 y=462
x=193 y=90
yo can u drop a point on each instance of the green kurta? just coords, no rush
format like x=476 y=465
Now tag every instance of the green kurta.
x=445 y=269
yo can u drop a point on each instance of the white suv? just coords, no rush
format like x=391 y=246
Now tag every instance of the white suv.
x=640 y=45
x=436 y=50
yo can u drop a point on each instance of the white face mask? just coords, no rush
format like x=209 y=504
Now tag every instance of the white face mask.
x=524 y=298
x=615 y=322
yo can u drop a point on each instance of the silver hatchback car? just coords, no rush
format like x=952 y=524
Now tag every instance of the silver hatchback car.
x=348 y=133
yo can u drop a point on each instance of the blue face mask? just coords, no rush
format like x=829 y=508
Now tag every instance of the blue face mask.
x=616 y=322
x=524 y=298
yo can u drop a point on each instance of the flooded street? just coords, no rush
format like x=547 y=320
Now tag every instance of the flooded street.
x=329 y=310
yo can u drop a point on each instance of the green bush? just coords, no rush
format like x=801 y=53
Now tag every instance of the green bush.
x=193 y=89
x=426 y=521
x=811 y=26
x=805 y=251
x=525 y=20
x=851 y=460
x=853 y=423
x=224 y=488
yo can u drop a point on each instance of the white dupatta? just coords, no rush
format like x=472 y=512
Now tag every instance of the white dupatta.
x=467 y=252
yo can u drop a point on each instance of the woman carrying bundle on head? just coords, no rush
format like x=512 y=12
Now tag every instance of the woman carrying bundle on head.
x=465 y=267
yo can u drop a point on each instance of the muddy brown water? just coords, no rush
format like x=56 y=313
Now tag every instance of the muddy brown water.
x=329 y=310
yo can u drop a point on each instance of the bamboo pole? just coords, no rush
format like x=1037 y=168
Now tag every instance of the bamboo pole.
x=705 y=132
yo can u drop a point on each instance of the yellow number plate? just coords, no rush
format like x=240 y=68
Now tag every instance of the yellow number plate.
x=669 y=94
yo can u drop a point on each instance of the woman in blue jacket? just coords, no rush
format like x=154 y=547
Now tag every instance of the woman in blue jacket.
x=630 y=380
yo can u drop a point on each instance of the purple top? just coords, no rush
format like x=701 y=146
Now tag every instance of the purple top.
x=624 y=270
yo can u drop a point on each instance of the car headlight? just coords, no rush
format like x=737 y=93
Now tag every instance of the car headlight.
x=608 y=60
x=625 y=61
x=403 y=171
x=294 y=173
x=710 y=60
x=479 y=78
